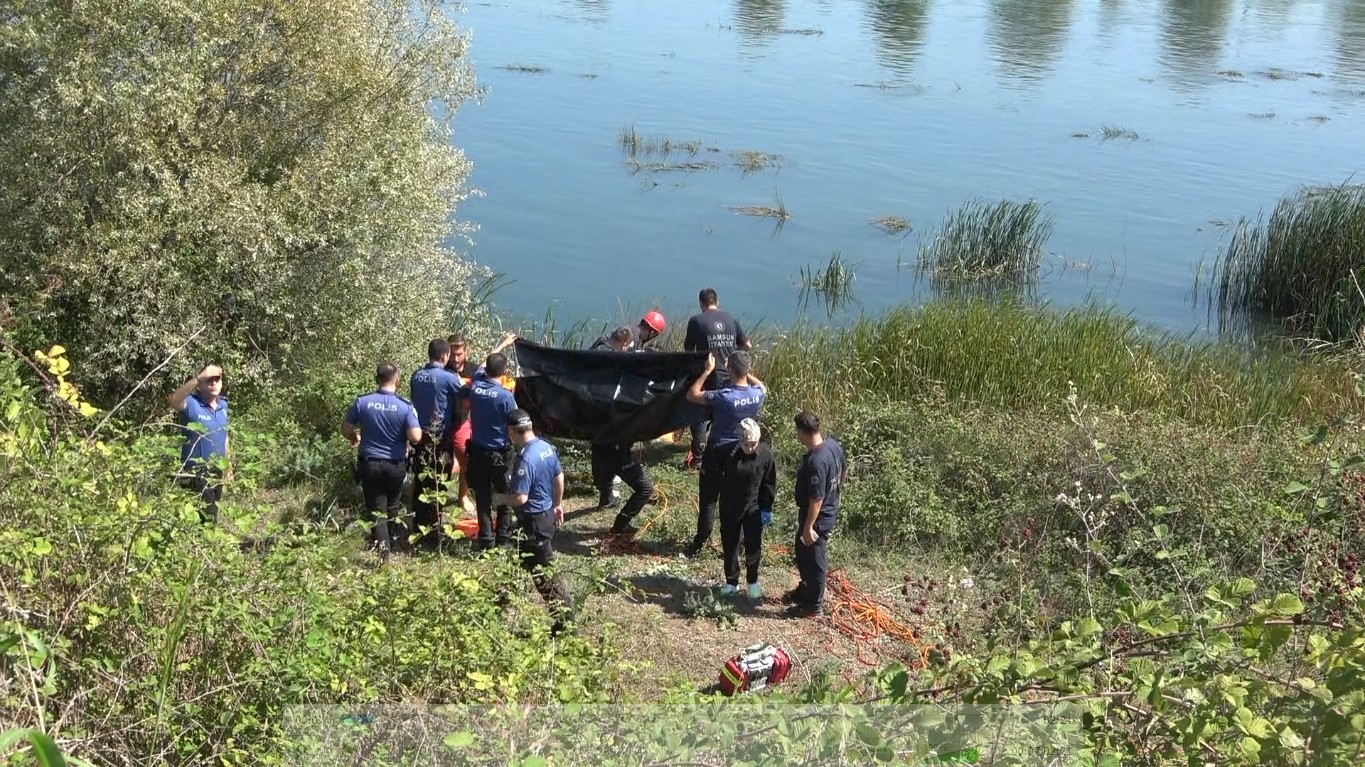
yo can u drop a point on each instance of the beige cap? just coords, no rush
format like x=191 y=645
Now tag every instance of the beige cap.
x=749 y=430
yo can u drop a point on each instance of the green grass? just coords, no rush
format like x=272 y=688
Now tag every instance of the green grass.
x=1304 y=266
x=778 y=211
x=1000 y=241
x=832 y=284
x=634 y=143
x=753 y=160
x=1018 y=356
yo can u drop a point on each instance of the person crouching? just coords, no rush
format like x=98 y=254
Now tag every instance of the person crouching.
x=748 y=484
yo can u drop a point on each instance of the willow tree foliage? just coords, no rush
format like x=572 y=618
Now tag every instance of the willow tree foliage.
x=275 y=173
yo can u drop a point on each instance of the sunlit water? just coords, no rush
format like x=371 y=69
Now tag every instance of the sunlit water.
x=895 y=108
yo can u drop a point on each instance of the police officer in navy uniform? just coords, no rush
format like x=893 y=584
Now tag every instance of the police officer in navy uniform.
x=536 y=489
x=203 y=410
x=387 y=424
x=490 y=452
x=436 y=395
x=819 y=480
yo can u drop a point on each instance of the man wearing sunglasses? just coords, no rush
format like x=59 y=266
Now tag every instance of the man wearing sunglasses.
x=204 y=456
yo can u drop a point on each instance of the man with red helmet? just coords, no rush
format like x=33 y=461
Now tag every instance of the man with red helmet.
x=650 y=328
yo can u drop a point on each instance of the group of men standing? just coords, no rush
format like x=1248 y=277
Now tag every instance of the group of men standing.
x=463 y=418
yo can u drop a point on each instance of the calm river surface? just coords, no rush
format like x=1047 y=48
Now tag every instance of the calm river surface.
x=902 y=108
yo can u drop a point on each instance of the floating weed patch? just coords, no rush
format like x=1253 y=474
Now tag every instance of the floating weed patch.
x=887 y=85
x=1262 y=115
x=526 y=69
x=778 y=211
x=638 y=166
x=1314 y=75
x=1278 y=74
x=588 y=75
x=892 y=224
x=1320 y=119
x=1302 y=267
x=1231 y=74
x=987 y=241
x=800 y=31
x=832 y=284
x=1113 y=133
x=752 y=160
x=1081 y=134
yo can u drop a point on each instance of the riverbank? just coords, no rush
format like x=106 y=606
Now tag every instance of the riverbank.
x=1039 y=541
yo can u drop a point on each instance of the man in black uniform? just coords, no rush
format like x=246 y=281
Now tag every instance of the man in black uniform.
x=715 y=331
x=612 y=460
x=819 y=478
x=387 y=423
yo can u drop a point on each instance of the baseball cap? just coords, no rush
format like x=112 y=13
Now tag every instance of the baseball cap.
x=519 y=419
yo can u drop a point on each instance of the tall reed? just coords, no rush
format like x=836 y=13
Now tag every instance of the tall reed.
x=1016 y=355
x=987 y=241
x=1303 y=267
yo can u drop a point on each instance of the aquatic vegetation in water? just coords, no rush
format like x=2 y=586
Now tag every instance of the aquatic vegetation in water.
x=1320 y=119
x=635 y=143
x=888 y=85
x=637 y=166
x=1278 y=74
x=778 y=211
x=1112 y=133
x=1231 y=74
x=526 y=69
x=832 y=284
x=1262 y=115
x=1303 y=267
x=1081 y=134
x=804 y=31
x=987 y=241
x=752 y=160
x=892 y=224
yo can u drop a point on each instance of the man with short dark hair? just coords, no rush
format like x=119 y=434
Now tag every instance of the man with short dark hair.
x=436 y=395
x=464 y=369
x=742 y=397
x=819 y=479
x=715 y=331
x=612 y=461
x=490 y=452
x=203 y=410
x=387 y=423
x=536 y=489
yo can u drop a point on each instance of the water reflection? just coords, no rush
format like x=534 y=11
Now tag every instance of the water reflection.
x=898 y=26
x=1350 y=64
x=1192 y=37
x=594 y=11
x=1027 y=36
x=758 y=21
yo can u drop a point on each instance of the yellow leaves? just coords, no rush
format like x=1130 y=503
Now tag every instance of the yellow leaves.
x=59 y=366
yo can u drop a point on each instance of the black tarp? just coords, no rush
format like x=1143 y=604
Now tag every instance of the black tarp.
x=605 y=396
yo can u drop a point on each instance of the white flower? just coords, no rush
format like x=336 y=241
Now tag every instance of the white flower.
x=967 y=582
x=1062 y=499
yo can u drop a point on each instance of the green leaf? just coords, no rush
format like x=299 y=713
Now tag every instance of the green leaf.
x=1286 y=604
x=46 y=750
x=868 y=734
x=534 y=761
x=1290 y=740
x=1251 y=750
x=1108 y=760
x=1089 y=626
x=459 y=739
x=1315 y=437
x=1294 y=488
x=42 y=546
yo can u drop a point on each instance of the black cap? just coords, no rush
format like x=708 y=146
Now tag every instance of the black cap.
x=519 y=419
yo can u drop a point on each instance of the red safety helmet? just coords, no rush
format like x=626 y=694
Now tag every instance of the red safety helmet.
x=655 y=320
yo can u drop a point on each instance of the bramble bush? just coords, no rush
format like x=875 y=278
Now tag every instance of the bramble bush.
x=132 y=634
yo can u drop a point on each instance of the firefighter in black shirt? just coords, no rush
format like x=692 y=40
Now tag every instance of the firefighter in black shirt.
x=748 y=483
x=819 y=479
x=717 y=332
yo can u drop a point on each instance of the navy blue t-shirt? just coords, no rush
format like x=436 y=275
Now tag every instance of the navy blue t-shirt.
x=383 y=419
x=208 y=440
x=820 y=475
x=534 y=474
x=729 y=406
x=489 y=404
x=716 y=331
x=435 y=393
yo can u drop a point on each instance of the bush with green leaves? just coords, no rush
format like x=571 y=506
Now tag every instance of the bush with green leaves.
x=271 y=183
x=131 y=634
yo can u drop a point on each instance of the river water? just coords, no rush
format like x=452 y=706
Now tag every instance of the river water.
x=892 y=107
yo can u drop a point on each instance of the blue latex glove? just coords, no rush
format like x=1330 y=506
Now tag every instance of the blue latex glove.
x=766 y=515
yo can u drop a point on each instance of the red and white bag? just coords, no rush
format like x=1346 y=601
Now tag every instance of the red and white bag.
x=754 y=668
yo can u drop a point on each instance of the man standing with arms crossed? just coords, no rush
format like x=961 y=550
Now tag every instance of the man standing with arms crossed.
x=436 y=395
x=536 y=489
x=387 y=423
x=741 y=398
x=715 y=331
x=490 y=452
x=819 y=479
